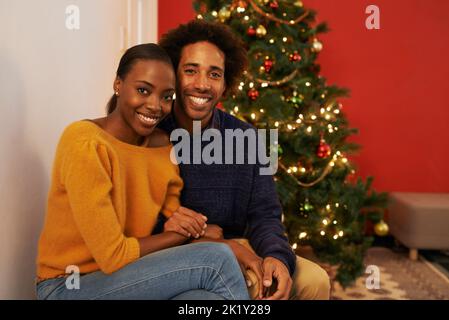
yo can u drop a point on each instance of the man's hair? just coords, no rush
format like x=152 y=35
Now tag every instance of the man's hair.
x=216 y=33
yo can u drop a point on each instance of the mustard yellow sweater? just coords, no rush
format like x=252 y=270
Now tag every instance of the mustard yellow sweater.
x=104 y=194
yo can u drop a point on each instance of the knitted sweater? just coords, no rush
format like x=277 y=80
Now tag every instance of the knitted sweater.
x=235 y=196
x=104 y=194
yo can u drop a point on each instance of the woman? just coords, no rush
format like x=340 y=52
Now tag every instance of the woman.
x=111 y=178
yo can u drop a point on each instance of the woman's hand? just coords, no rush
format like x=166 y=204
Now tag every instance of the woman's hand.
x=187 y=223
x=213 y=231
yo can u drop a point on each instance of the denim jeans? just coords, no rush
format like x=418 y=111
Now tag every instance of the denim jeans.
x=193 y=271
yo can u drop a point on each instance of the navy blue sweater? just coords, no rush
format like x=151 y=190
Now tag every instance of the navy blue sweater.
x=235 y=196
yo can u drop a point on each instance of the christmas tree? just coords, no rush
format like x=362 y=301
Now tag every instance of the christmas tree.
x=324 y=206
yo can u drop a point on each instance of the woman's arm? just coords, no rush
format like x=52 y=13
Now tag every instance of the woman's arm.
x=181 y=226
x=85 y=174
x=160 y=241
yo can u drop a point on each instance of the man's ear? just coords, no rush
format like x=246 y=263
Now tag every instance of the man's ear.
x=225 y=92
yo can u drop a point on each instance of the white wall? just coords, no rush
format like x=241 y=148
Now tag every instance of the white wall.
x=49 y=77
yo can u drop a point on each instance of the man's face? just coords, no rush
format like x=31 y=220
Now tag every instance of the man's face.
x=201 y=81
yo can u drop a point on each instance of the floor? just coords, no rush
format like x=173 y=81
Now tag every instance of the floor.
x=399 y=277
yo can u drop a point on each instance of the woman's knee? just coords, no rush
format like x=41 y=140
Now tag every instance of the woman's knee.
x=225 y=276
x=215 y=253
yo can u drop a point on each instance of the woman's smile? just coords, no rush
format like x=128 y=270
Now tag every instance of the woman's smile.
x=148 y=120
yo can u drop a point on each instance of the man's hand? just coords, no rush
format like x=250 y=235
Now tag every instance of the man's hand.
x=214 y=232
x=248 y=260
x=187 y=223
x=274 y=268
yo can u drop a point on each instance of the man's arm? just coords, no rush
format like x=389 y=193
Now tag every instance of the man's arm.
x=266 y=234
x=265 y=231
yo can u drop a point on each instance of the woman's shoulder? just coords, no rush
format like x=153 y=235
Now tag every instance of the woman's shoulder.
x=81 y=126
x=80 y=131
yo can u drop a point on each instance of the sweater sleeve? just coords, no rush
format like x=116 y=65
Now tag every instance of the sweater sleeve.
x=172 y=203
x=86 y=176
x=265 y=230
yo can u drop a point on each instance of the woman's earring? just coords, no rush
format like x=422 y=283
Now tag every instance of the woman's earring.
x=116 y=93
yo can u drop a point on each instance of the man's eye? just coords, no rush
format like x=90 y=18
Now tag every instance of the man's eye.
x=216 y=75
x=142 y=90
x=189 y=71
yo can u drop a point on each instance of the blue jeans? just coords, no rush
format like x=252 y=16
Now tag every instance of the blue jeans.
x=193 y=271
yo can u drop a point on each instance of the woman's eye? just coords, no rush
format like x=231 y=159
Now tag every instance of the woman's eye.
x=142 y=90
x=168 y=97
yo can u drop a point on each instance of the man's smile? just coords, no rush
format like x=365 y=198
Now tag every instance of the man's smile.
x=198 y=100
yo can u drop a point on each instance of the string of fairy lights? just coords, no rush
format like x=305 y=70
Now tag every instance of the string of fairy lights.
x=328 y=224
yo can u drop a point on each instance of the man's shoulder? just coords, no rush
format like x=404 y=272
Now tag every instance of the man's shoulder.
x=158 y=138
x=166 y=124
x=228 y=121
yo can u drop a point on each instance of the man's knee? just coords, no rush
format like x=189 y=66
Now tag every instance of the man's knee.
x=310 y=281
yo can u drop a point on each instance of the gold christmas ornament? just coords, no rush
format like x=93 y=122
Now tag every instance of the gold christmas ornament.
x=381 y=228
x=317 y=46
x=261 y=31
x=298 y=4
x=224 y=14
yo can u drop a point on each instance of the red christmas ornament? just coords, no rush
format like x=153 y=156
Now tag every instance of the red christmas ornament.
x=295 y=57
x=253 y=94
x=351 y=178
x=203 y=8
x=251 y=31
x=323 y=150
x=268 y=65
x=274 y=5
x=220 y=106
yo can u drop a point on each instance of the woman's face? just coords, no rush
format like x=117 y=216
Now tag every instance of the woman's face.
x=145 y=95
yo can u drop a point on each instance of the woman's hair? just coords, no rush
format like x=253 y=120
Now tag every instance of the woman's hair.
x=218 y=34
x=147 y=51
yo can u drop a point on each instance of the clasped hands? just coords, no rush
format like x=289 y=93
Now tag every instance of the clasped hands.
x=269 y=271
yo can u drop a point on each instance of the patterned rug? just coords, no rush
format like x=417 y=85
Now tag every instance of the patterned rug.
x=400 y=279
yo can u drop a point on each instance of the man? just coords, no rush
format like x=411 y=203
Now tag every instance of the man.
x=209 y=61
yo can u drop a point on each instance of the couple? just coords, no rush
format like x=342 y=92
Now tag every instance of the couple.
x=113 y=184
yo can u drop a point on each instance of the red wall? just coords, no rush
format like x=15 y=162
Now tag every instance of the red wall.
x=399 y=82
